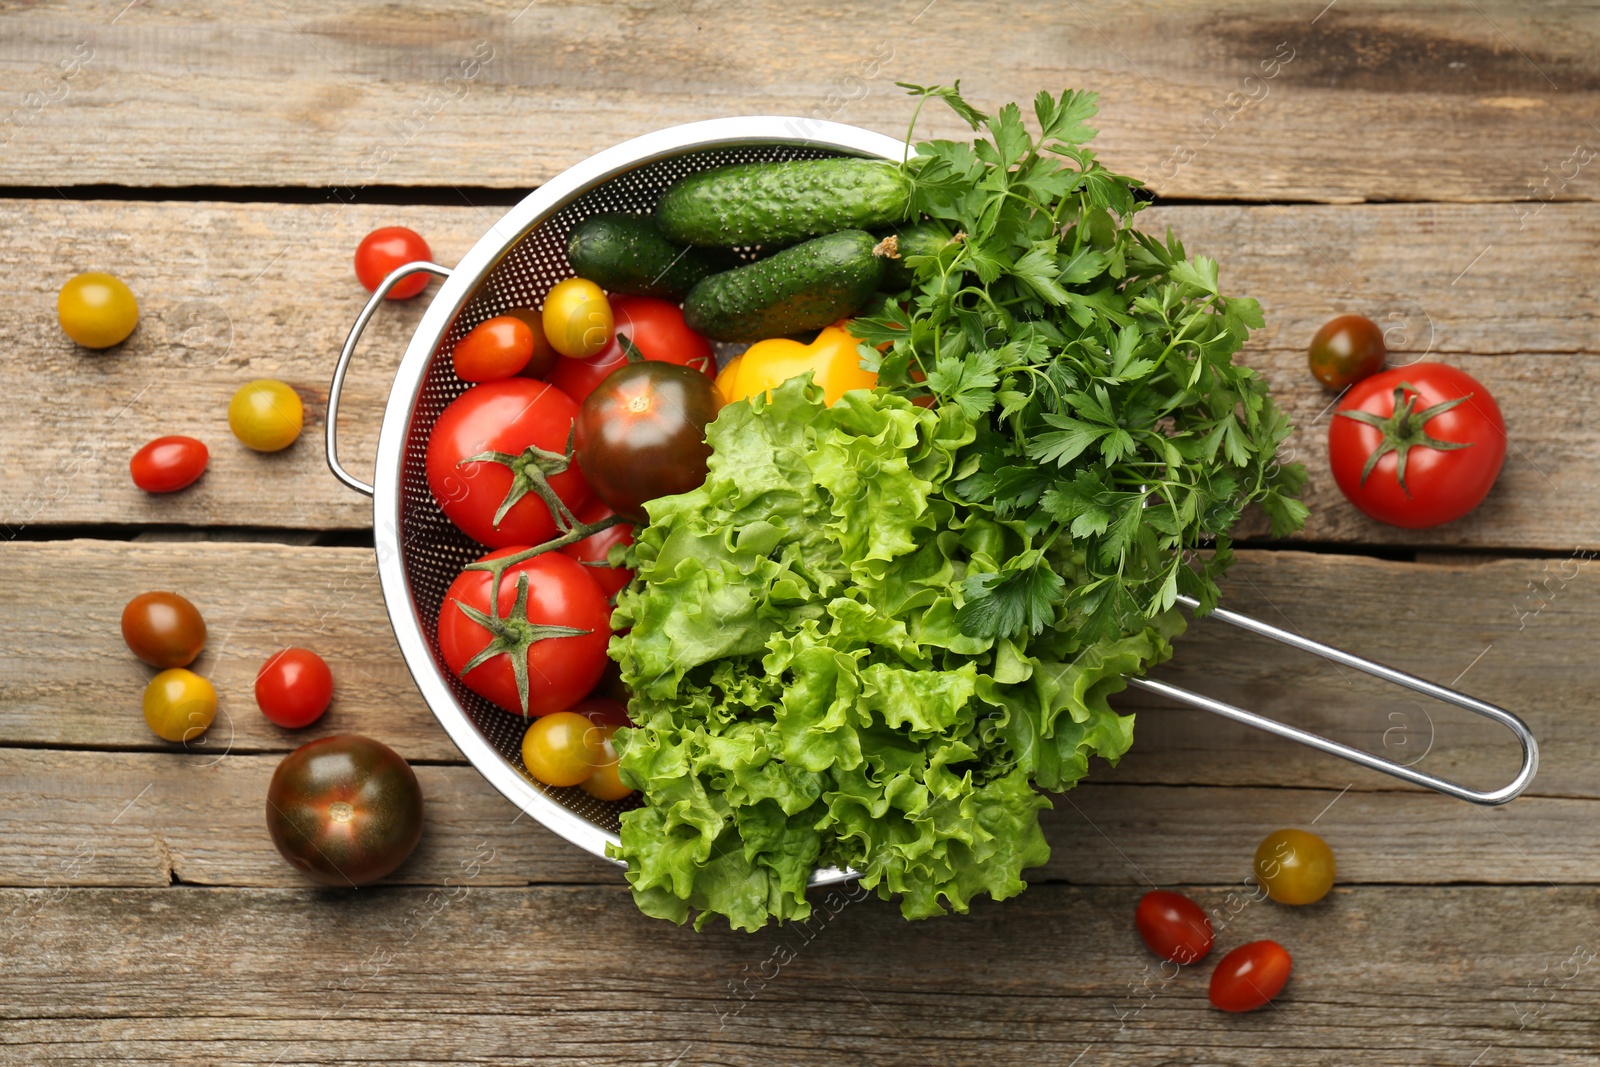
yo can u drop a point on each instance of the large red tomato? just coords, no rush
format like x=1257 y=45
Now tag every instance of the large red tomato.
x=1417 y=446
x=656 y=329
x=540 y=647
x=497 y=455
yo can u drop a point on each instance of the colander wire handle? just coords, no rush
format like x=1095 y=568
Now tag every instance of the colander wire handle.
x=337 y=386
x=1530 y=746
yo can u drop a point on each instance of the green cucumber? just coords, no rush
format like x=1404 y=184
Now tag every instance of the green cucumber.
x=780 y=203
x=923 y=239
x=627 y=254
x=804 y=287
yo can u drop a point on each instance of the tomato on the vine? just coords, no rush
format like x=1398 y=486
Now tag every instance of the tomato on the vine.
x=294 y=688
x=496 y=462
x=163 y=629
x=1250 y=976
x=97 y=310
x=1173 y=926
x=495 y=348
x=654 y=327
x=593 y=550
x=1417 y=446
x=532 y=643
x=577 y=318
x=563 y=748
x=386 y=248
x=168 y=464
x=1295 y=866
x=345 y=810
x=1345 y=350
x=642 y=434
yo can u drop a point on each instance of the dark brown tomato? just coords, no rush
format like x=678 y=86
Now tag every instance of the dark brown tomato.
x=642 y=434
x=345 y=810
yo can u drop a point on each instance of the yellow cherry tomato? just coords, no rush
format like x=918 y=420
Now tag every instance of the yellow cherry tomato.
x=1295 y=866
x=562 y=749
x=265 y=415
x=832 y=360
x=97 y=310
x=577 y=318
x=605 y=783
x=179 y=705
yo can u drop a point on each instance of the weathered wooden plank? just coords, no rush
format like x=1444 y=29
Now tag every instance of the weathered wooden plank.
x=575 y=976
x=247 y=290
x=1453 y=101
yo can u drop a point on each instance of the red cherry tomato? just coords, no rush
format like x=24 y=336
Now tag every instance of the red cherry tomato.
x=168 y=464
x=593 y=550
x=656 y=329
x=532 y=597
x=1388 y=414
x=294 y=687
x=1250 y=976
x=384 y=249
x=1173 y=926
x=494 y=349
x=525 y=421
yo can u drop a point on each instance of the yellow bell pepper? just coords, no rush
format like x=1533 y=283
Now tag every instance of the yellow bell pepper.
x=832 y=359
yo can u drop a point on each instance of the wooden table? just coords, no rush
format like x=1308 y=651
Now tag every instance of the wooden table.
x=1431 y=168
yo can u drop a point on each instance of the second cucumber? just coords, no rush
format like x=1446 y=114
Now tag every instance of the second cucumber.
x=801 y=288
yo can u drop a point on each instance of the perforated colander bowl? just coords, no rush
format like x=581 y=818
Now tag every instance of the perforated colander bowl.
x=419 y=551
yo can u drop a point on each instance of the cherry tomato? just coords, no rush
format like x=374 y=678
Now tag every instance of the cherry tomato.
x=1173 y=926
x=294 y=688
x=494 y=349
x=593 y=550
x=544 y=357
x=1295 y=866
x=179 y=705
x=606 y=782
x=97 y=310
x=265 y=415
x=346 y=810
x=1250 y=976
x=520 y=428
x=168 y=464
x=1438 y=436
x=563 y=748
x=655 y=327
x=521 y=651
x=577 y=318
x=384 y=249
x=1346 y=350
x=163 y=629
x=642 y=434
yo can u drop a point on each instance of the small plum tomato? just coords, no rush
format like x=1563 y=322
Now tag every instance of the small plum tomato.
x=169 y=463
x=163 y=629
x=1250 y=976
x=1173 y=926
x=1295 y=866
x=266 y=415
x=97 y=310
x=494 y=349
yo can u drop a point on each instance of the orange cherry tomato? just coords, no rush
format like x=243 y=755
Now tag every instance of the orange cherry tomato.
x=491 y=350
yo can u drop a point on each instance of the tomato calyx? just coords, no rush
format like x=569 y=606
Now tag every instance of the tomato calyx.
x=531 y=473
x=512 y=634
x=630 y=351
x=1406 y=428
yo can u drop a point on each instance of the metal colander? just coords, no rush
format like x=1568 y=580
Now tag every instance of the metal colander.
x=420 y=552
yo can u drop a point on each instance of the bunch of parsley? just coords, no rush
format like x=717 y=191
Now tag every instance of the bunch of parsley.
x=1116 y=436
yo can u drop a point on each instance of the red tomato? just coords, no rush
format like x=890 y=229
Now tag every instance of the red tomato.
x=294 y=687
x=656 y=329
x=168 y=464
x=1173 y=926
x=592 y=550
x=525 y=425
x=384 y=249
x=1250 y=976
x=541 y=647
x=1438 y=438
x=494 y=349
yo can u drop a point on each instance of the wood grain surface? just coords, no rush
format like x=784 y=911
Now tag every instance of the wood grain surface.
x=1282 y=102
x=232 y=292
x=574 y=975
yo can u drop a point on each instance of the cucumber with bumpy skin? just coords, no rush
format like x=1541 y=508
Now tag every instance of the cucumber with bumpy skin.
x=779 y=203
x=801 y=288
x=923 y=239
x=627 y=254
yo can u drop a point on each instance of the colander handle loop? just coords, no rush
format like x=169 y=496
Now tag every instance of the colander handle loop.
x=1530 y=746
x=395 y=277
